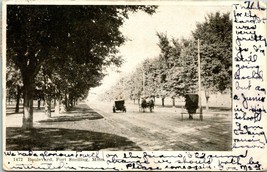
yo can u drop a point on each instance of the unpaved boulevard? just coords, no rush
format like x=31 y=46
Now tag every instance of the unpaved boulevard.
x=163 y=129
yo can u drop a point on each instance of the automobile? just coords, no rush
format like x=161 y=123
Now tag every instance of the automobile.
x=119 y=106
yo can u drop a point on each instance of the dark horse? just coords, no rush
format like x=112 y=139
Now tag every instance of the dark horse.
x=149 y=104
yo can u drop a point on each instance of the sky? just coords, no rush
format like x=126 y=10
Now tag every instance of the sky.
x=141 y=28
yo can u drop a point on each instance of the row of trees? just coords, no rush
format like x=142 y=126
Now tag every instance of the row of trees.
x=174 y=72
x=60 y=52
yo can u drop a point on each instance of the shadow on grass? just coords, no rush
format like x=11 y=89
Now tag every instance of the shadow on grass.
x=11 y=110
x=80 y=112
x=91 y=116
x=52 y=139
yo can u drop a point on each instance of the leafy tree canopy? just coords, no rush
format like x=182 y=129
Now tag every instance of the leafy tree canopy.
x=215 y=36
x=76 y=37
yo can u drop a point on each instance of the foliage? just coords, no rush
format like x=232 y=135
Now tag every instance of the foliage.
x=216 y=51
x=13 y=79
x=174 y=72
x=67 y=40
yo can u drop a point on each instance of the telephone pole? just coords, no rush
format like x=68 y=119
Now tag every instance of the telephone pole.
x=144 y=80
x=199 y=82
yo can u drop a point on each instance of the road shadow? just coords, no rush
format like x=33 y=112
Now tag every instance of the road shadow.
x=52 y=139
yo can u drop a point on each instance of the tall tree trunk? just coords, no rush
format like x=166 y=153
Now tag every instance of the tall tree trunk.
x=71 y=102
x=48 y=106
x=9 y=99
x=207 y=103
x=66 y=102
x=56 y=106
x=28 y=102
x=173 y=101
x=18 y=99
x=55 y=103
x=39 y=104
x=162 y=101
x=207 y=99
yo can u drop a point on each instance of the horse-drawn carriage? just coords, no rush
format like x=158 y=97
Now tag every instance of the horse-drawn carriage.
x=146 y=104
x=119 y=106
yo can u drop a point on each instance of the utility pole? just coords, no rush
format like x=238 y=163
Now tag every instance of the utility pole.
x=199 y=82
x=123 y=88
x=144 y=80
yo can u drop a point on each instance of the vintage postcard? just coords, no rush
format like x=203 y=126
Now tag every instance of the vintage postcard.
x=134 y=85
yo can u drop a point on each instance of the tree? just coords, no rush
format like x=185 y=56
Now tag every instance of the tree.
x=178 y=71
x=152 y=77
x=174 y=72
x=215 y=35
x=164 y=65
x=13 y=83
x=40 y=35
x=189 y=69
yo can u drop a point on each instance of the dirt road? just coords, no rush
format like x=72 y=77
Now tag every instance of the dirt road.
x=162 y=130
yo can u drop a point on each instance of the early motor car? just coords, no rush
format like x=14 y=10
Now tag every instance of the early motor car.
x=119 y=106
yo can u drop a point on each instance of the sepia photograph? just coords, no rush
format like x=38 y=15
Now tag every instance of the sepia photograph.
x=118 y=77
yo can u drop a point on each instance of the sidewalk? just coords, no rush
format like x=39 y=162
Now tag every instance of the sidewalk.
x=180 y=109
x=77 y=113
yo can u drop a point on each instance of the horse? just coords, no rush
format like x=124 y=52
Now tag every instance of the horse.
x=151 y=105
x=145 y=104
